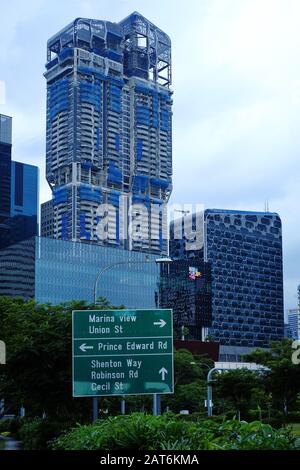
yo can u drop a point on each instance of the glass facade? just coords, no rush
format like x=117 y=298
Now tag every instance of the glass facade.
x=294 y=323
x=18 y=193
x=23 y=220
x=24 y=189
x=5 y=180
x=17 y=270
x=47 y=219
x=185 y=287
x=65 y=271
x=5 y=129
x=5 y=168
x=245 y=252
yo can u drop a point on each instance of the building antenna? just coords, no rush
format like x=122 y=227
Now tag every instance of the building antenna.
x=267 y=206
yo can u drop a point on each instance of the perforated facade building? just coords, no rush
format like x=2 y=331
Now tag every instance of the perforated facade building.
x=245 y=252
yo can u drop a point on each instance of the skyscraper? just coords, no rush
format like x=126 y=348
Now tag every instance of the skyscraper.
x=109 y=132
x=185 y=287
x=245 y=252
x=47 y=219
x=5 y=166
x=18 y=192
x=294 y=323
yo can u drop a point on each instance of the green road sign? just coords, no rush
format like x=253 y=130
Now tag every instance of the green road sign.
x=122 y=352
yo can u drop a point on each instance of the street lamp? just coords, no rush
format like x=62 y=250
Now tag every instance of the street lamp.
x=209 y=387
x=102 y=271
x=122 y=263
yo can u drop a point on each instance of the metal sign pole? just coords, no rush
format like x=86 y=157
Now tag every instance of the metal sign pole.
x=95 y=409
x=123 y=407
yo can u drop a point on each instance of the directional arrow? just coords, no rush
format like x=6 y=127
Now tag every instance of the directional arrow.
x=84 y=347
x=161 y=323
x=163 y=373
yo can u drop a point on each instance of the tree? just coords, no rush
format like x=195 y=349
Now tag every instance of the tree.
x=190 y=382
x=188 y=368
x=242 y=388
x=39 y=357
x=283 y=377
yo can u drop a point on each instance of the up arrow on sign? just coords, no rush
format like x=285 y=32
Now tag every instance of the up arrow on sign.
x=163 y=373
x=161 y=323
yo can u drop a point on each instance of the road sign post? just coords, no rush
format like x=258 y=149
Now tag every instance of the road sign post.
x=122 y=352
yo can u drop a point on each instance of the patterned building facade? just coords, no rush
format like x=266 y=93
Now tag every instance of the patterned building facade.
x=245 y=252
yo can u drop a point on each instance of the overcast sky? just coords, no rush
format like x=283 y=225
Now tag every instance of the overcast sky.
x=236 y=82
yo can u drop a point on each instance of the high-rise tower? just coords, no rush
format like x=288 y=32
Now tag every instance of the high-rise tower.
x=245 y=252
x=109 y=132
x=18 y=192
x=5 y=165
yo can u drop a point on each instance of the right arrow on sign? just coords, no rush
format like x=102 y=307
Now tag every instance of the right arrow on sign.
x=161 y=323
x=163 y=373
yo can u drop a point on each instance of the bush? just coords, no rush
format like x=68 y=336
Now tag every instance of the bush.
x=35 y=433
x=136 y=431
x=293 y=417
x=276 y=423
x=190 y=417
x=167 y=432
x=11 y=426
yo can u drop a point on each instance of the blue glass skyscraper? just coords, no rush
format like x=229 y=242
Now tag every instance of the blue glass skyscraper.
x=245 y=252
x=109 y=135
x=5 y=166
x=18 y=192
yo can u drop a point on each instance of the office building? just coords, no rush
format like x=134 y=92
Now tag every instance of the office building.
x=56 y=271
x=294 y=323
x=288 y=331
x=18 y=192
x=245 y=252
x=47 y=219
x=5 y=165
x=109 y=132
x=185 y=287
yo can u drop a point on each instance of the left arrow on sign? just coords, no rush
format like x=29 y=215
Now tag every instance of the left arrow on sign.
x=84 y=347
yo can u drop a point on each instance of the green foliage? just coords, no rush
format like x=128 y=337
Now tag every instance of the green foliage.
x=283 y=377
x=293 y=417
x=39 y=354
x=190 y=382
x=36 y=433
x=145 y=432
x=38 y=373
x=11 y=426
x=241 y=389
x=187 y=368
x=187 y=397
